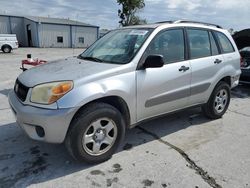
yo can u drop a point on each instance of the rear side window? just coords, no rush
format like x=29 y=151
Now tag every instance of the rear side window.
x=225 y=43
x=214 y=47
x=199 y=44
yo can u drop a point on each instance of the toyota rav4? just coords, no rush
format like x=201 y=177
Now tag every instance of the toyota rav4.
x=129 y=75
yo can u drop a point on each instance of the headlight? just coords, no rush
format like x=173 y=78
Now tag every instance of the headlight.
x=50 y=92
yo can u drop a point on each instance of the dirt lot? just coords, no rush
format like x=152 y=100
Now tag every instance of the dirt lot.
x=181 y=150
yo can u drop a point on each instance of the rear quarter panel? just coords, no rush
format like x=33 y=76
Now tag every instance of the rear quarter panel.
x=232 y=65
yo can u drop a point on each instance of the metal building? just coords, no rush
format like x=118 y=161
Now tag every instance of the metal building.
x=48 y=32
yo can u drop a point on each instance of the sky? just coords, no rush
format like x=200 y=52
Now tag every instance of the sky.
x=227 y=13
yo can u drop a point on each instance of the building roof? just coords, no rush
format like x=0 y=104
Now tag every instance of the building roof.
x=61 y=21
x=57 y=21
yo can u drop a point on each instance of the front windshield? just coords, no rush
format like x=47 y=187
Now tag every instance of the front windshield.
x=118 y=46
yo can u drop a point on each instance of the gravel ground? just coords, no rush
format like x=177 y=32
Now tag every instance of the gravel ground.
x=181 y=150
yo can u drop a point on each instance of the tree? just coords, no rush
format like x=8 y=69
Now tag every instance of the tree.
x=128 y=11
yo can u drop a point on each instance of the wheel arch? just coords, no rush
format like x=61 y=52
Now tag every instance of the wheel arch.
x=208 y=107
x=115 y=101
x=214 y=84
x=226 y=79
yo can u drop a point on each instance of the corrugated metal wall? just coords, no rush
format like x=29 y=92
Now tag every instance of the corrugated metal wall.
x=48 y=34
x=45 y=35
x=34 y=35
x=14 y=25
x=4 y=25
x=17 y=27
x=88 y=33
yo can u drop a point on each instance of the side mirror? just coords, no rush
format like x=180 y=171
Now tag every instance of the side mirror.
x=153 y=61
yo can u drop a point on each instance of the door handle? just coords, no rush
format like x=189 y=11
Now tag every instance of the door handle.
x=217 y=61
x=183 y=68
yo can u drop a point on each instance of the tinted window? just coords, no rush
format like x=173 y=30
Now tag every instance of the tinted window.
x=226 y=45
x=169 y=44
x=199 y=43
x=214 y=47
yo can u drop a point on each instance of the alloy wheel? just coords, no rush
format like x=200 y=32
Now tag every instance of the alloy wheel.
x=100 y=136
x=220 y=101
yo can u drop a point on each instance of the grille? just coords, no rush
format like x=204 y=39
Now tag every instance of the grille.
x=21 y=90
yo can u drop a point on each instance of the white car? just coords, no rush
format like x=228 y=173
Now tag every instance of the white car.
x=8 y=42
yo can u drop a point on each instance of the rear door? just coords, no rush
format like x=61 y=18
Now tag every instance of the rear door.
x=206 y=61
x=164 y=89
x=229 y=53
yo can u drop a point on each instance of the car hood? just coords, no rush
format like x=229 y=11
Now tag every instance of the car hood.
x=66 y=69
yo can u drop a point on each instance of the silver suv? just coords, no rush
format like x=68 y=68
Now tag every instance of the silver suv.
x=129 y=75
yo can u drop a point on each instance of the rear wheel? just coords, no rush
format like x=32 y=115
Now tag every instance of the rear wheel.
x=6 y=49
x=218 y=102
x=95 y=133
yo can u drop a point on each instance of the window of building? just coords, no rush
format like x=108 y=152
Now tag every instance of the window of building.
x=198 y=43
x=59 y=39
x=81 y=39
x=226 y=45
x=169 y=44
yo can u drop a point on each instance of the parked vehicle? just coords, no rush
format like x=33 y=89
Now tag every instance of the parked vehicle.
x=245 y=65
x=8 y=42
x=129 y=75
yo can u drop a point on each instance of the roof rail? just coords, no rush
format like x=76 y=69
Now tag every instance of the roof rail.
x=168 y=21
x=196 y=22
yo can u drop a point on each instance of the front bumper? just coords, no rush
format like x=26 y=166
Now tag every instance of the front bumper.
x=54 y=123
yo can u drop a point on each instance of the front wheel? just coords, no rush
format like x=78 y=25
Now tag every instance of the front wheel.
x=95 y=133
x=218 y=102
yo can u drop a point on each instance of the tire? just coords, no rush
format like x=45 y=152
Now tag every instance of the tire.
x=6 y=49
x=99 y=125
x=218 y=102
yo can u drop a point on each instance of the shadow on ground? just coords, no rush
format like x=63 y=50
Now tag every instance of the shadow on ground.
x=22 y=159
x=5 y=92
x=241 y=91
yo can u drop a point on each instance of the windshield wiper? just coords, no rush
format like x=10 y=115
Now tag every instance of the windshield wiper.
x=90 y=58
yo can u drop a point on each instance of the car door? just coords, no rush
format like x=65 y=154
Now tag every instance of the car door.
x=230 y=57
x=206 y=62
x=164 y=89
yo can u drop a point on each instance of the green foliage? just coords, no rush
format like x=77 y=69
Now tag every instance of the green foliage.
x=127 y=13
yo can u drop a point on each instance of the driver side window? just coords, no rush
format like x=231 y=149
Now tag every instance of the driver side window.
x=169 y=44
